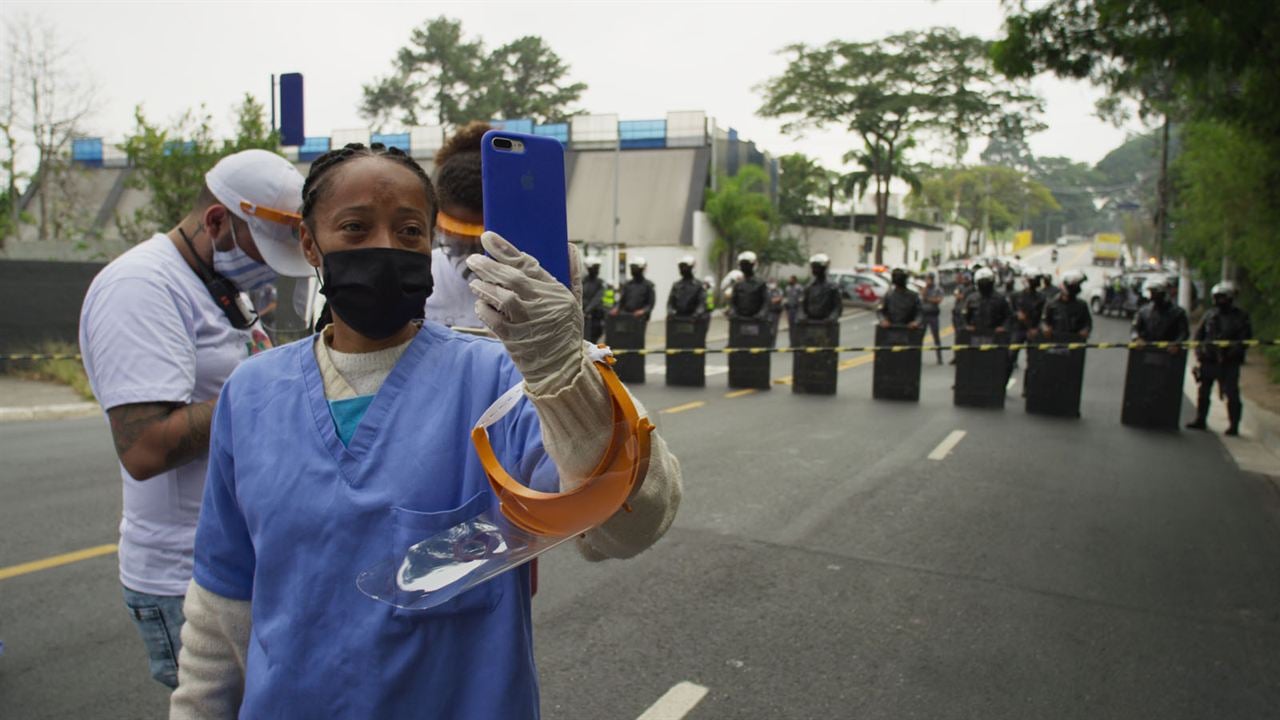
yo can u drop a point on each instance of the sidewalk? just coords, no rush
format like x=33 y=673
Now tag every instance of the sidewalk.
x=22 y=399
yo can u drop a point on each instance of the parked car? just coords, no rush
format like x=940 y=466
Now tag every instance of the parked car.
x=863 y=289
x=1130 y=297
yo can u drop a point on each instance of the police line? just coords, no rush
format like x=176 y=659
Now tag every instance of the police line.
x=1189 y=344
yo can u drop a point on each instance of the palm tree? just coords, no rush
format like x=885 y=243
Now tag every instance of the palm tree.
x=880 y=164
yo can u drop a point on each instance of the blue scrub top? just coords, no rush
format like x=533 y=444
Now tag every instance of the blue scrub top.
x=292 y=515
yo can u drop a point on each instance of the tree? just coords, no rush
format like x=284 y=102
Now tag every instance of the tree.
x=443 y=75
x=46 y=103
x=170 y=162
x=880 y=165
x=802 y=186
x=740 y=211
x=985 y=201
x=527 y=80
x=439 y=73
x=888 y=91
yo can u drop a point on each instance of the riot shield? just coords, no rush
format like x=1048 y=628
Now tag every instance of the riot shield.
x=686 y=369
x=981 y=374
x=896 y=375
x=626 y=332
x=1153 y=388
x=814 y=373
x=1055 y=378
x=749 y=370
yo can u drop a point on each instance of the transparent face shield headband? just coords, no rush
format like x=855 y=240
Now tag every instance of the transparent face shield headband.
x=519 y=522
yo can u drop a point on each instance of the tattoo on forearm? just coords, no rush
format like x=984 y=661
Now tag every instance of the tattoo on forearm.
x=130 y=422
x=194 y=440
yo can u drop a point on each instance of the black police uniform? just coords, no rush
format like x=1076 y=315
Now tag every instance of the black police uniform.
x=900 y=306
x=638 y=294
x=1068 y=316
x=821 y=301
x=750 y=299
x=986 y=313
x=1222 y=364
x=593 y=308
x=1030 y=303
x=1160 y=324
x=688 y=298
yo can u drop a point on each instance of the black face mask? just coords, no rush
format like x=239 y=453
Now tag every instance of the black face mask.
x=593 y=272
x=747 y=268
x=1160 y=299
x=686 y=272
x=377 y=291
x=986 y=287
x=819 y=272
x=637 y=274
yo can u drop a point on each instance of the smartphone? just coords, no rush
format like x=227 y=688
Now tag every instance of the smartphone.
x=524 y=196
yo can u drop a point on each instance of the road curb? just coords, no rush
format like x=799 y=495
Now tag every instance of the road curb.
x=62 y=411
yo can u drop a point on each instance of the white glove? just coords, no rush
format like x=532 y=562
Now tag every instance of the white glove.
x=537 y=318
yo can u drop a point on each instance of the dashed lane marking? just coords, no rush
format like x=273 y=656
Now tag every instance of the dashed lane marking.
x=56 y=561
x=676 y=703
x=681 y=408
x=740 y=393
x=947 y=445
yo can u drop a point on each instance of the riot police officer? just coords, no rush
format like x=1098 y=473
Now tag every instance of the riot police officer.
x=821 y=299
x=688 y=296
x=593 y=291
x=1028 y=308
x=1224 y=321
x=986 y=312
x=638 y=296
x=1160 y=320
x=1050 y=291
x=1067 y=317
x=900 y=306
x=750 y=298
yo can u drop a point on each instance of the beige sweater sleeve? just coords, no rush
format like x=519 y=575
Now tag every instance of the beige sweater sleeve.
x=576 y=427
x=215 y=643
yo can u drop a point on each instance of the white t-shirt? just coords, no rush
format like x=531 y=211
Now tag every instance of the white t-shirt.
x=451 y=302
x=150 y=332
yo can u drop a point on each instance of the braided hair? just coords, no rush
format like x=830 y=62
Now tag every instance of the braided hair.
x=317 y=183
x=458 y=168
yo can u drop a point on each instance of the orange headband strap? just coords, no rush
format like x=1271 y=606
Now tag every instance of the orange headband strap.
x=454 y=226
x=280 y=217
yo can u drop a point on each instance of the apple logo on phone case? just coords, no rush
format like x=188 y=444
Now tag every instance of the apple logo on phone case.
x=526 y=180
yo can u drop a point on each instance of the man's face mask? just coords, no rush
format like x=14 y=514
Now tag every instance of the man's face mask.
x=747 y=268
x=686 y=272
x=236 y=265
x=986 y=287
x=819 y=271
x=377 y=291
x=593 y=271
x=637 y=272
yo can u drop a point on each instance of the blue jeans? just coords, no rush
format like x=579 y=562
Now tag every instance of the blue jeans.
x=159 y=619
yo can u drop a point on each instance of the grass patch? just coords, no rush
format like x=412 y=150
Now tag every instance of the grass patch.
x=67 y=372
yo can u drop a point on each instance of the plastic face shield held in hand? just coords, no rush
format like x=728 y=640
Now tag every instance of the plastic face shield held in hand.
x=525 y=522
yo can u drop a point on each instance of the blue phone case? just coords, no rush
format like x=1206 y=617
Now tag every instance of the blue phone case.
x=524 y=198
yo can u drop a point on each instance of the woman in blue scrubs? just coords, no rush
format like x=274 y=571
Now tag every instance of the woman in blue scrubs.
x=329 y=453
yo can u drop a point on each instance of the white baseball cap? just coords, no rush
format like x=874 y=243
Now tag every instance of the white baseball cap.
x=264 y=190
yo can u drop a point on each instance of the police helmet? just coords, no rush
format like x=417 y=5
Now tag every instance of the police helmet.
x=639 y=262
x=819 y=259
x=747 y=256
x=1031 y=273
x=1073 y=277
x=1226 y=287
x=984 y=275
x=592 y=261
x=1156 y=285
x=688 y=260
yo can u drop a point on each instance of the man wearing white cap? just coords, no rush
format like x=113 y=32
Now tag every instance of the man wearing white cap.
x=161 y=328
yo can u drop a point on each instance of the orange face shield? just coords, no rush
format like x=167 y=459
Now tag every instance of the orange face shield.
x=615 y=478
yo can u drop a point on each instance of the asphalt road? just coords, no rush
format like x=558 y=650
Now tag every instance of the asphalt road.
x=822 y=566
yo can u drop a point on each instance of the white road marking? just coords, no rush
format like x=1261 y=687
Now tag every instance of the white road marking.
x=944 y=448
x=676 y=703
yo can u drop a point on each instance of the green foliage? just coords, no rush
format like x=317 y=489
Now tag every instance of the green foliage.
x=1224 y=209
x=803 y=185
x=740 y=211
x=528 y=81
x=445 y=78
x=169 y=162
x=888 y=91
x=978 y=198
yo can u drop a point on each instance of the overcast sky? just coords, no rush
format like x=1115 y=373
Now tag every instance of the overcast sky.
x=639 y=59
